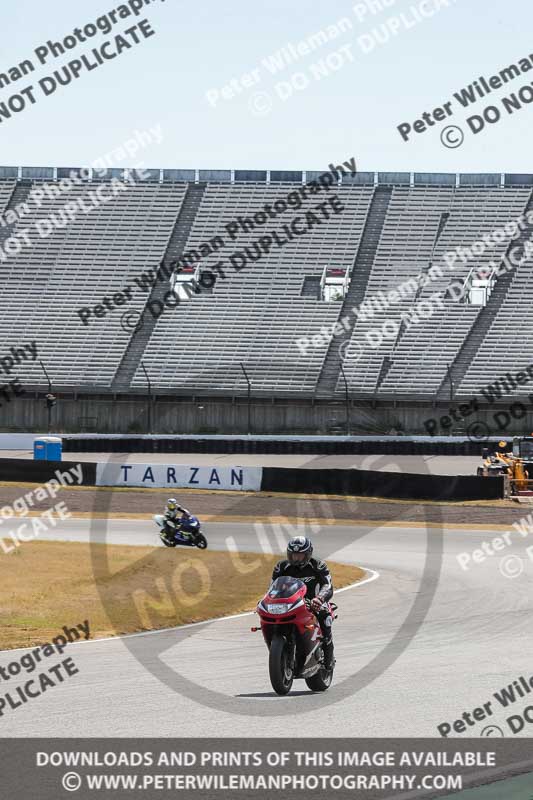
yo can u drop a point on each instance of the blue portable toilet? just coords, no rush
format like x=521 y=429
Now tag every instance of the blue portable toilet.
x=48 y=448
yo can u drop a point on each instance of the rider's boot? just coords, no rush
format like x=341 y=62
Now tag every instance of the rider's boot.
x=168 y=536
x=327 y=647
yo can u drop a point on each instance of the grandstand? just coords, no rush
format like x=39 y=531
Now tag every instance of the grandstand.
x=394 y=227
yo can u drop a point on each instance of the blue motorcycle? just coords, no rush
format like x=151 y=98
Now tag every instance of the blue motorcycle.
x=186 y=532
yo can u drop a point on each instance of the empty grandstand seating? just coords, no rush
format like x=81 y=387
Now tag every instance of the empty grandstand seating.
x=393 y=229
x=94 y=256
x=502 y=345
x=420 y=355
x=255 y=315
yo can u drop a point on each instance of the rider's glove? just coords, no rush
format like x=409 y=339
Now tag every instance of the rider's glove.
x=316 y=604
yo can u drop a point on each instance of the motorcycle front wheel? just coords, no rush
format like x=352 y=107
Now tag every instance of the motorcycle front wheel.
x=321 y=681
x=281 y=671
x=200 y=541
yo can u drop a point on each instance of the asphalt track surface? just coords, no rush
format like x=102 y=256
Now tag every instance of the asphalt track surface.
x=426 y=465
x=474 y=640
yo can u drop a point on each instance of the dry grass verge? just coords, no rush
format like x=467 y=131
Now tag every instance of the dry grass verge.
x=47 y=585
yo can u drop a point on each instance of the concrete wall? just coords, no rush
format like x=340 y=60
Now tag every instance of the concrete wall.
x=225 y=417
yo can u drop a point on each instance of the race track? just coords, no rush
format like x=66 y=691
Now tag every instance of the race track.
x=410 y=674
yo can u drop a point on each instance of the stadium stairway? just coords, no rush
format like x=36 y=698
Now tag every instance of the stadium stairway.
x=362 y=268
x=476 y=337
x=311 y=287
x=176 y=246
x=388 y=361
x=19 y=195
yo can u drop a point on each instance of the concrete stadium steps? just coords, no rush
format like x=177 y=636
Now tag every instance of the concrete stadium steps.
x=364 y=261
x=388 y=361
x=475 y=337
x=182 y=230
x=139 y=340
x=311 y=287
x=414 y=218
x=12 y=194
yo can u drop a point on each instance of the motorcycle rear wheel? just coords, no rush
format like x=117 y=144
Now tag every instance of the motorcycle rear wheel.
x=281 y=673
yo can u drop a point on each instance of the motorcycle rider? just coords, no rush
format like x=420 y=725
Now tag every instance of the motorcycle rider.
x=316 y=575
x=176 y=514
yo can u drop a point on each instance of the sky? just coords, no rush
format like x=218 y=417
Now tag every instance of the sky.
x=344 y=96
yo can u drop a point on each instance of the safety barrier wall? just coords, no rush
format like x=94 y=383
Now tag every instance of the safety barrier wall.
x=398 y=485
x=265 y=445
x=229 y=416
x=19 y=470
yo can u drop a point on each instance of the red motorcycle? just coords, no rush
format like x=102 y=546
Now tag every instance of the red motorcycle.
x=293 y=636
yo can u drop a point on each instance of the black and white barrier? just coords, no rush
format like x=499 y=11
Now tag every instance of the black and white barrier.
x=363 y=483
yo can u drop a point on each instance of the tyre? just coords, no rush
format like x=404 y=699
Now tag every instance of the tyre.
x=166 y=542
x=321 y=681
x=201 y=541
x=281 y=673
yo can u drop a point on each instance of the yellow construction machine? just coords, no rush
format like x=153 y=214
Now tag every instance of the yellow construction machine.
x=514 y=462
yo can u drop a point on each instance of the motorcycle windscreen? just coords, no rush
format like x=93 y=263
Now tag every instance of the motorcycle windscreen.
x=285 y=587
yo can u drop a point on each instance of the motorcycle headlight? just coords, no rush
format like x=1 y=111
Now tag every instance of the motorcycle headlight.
x=277 y=608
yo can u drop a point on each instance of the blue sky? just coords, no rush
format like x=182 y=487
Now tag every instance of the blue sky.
x=201 y=47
